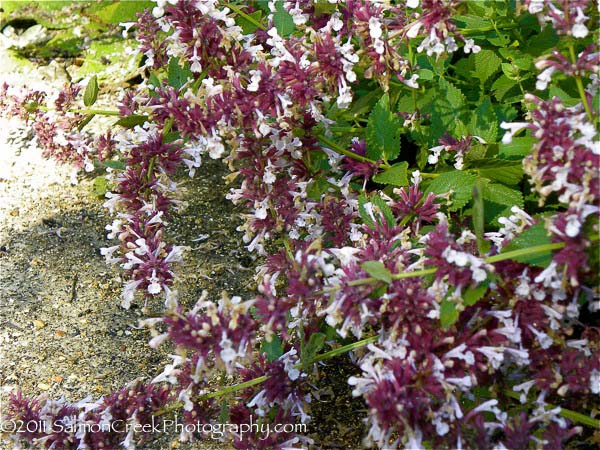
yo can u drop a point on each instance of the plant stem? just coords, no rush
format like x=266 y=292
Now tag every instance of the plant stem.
x=579 y=83
x=101 y=112
x=524 y=251
x=258 y=380
x=566 y=413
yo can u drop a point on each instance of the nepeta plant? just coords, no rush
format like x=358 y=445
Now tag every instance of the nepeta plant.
x=422 y=181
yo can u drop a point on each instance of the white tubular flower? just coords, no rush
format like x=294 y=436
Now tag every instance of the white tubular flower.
x=544 y=78
x=470 y=47
x=512 y=128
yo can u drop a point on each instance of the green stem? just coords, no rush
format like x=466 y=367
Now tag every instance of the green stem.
x=579 y=84
x=101 y=112
x=566 y=413
x=524 y=251
x=258 y=380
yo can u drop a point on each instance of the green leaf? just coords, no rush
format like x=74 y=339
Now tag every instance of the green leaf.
x=365 y=103
x=511 y=71
x=425 y=74
x=177 y=75
x=519 y=146
x=272 y=348
x=224 y=414
x=283 y=20
x=470 y=21
x=478 y=214
x=459 y=182
x=506 y=172
x=123 y=11
x=486 y=64
x=503 y=87
x=383 y=131
x=83 y=122
x=377 y=270
x=91 y=92
x=131 y=121
x=309 y=351
x=323 y=7
x=454 y=95
x=385 y=210
x=503 y=195
x=100 y=186
x=484 y=122
x=317 y=188
x=446 y=108
x=395 y=175
x=448 y=313
x=249 y=27
x=473 y=294
x=117 y=165
x=533 y=236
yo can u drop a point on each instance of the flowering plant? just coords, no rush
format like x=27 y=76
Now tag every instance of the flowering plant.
x=416 y=189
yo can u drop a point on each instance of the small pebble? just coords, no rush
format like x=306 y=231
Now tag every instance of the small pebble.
x=38 y=324
x=43 y=386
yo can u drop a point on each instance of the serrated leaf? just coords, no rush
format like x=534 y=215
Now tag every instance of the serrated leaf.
x=503 y=195
x=510 y=71
x=117 y=165
x=383 y=132
x=531 y=237
x=177 y=75
x=272 y=348
x=395 y=175
x=446 y=108
x=506 y=172
x=364 y=215
x=131 y=121
x=283 y=20
x=454 y=95
x=91 y=92
x=385 y=210
x=460 y=183
x=486 y=64
x=377 y=270
x=309 y=351
x=484 y=122
x=473 y=294
x=448 y=313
